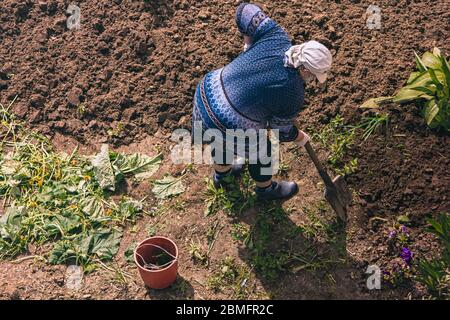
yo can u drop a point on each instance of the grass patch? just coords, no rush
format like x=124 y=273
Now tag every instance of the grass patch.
x=231 y=276
x=337 y=138
x=278 y=246
x=240 y=232
x=317 y=228
x=372 y=124
x=234 y=199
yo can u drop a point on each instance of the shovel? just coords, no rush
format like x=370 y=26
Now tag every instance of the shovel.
x=337 y=192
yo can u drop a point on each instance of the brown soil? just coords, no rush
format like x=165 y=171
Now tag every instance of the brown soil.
x=127 y=77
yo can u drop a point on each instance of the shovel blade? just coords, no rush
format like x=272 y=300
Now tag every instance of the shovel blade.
x=344 y=194
x=333 y=199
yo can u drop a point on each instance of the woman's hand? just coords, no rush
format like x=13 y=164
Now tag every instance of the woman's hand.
x=302 y=139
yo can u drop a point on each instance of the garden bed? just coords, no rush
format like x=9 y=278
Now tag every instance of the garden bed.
x=127 y=78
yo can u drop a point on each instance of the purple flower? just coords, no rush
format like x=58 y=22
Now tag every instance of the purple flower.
x=392 y=234
x=406 y=255
x=404 y=229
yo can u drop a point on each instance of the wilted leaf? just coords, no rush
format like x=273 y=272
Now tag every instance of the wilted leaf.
x=9 y=167
x=131 y=204
x=129 y=252
x=92 y=206
x=11 y=220
x=138 y=164
x=168 y=187
x=375 y=102
x=66 y=223
x=103 y=169
x=62 y=251
x=104 y=244
x=129 y=208
x=52 y=194
x=13 y=215
x=147 y=174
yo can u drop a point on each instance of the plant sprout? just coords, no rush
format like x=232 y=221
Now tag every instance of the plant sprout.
x=372 y=123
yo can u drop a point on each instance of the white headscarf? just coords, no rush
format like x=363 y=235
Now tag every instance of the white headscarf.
x=313 y=55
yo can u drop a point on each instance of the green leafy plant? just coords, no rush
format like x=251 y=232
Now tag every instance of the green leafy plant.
x=117 y=131
x=260 y=238
x=349 y=168
x=152 y=231
x=284 y=169
x=212 y=234
x=435 y=275
x=218 y=199
x=429 y=85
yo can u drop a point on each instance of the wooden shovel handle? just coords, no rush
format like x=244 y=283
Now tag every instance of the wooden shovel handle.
x=322 y=171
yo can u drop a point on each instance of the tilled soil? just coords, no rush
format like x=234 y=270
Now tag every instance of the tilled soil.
x=128 y=75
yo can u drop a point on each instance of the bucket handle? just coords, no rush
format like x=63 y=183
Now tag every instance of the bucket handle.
x=153 y=266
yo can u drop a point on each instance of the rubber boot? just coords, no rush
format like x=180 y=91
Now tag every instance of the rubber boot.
x=282 y=190
x=222 y=179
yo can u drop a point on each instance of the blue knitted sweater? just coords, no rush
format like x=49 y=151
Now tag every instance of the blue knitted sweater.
x=256 y=90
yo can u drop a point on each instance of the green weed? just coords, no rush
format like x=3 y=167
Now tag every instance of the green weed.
x=372 y=123
x=240 y=232
x=233 y=276
x=337 y=139
x=198 y=255
x=435 y=275
x=234 y=199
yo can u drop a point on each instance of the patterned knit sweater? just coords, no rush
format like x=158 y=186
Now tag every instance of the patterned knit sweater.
x=256 y=90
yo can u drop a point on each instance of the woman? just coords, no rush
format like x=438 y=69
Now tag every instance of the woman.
x=262 y=88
